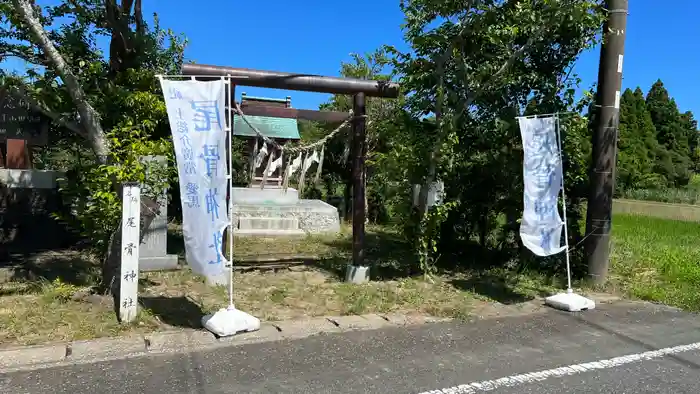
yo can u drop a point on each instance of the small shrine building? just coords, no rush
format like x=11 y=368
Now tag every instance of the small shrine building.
x=282 y=130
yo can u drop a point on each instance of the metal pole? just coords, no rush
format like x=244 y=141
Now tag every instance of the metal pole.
x=359 y=149
x=231 y=97
x=563 y=203
x=599 y=215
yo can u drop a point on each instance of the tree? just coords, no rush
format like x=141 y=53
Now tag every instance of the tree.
x=476 y=66
x=690 y=126
x=112 y=102
x=656 y=144
x=637 y=145
x=380 y=115
x=26 y=25
x=672 y=133
x=471 y=58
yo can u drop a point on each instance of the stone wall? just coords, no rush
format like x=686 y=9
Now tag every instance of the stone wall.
x=27 y=200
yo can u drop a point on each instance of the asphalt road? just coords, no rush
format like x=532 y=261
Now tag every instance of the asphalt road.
x=421 y=359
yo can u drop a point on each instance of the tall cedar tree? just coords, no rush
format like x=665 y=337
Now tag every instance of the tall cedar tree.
x=673 y=133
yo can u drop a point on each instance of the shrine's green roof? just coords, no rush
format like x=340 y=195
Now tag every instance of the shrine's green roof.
x=269 y=126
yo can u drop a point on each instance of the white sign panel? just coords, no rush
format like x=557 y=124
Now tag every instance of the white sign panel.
x=129 y=272
x=541 y=227
x=435 y=194
x=196 y=111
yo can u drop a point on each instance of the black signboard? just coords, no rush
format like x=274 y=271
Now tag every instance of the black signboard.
x=19 y=121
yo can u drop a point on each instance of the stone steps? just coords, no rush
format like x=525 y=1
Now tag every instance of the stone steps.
x=268 y=223
x=269 y=233
x=266 y=196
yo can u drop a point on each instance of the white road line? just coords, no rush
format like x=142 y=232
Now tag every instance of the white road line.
x=516 y=380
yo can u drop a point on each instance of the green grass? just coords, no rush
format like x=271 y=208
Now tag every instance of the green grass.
x=43 y=310
x=657 y=260
x=676 y=196
x=690 y=194
x=652 y=259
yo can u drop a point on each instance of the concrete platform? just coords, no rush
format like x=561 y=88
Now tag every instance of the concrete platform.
x=269 y=233
x=268 y=223
x=159 y=263
x=313 y=216
x=268 y=195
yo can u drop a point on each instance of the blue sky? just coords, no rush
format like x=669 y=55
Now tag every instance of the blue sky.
x=314 y=36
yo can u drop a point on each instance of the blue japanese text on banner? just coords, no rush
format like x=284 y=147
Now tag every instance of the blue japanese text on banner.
x=196 y=111
x=541 y=226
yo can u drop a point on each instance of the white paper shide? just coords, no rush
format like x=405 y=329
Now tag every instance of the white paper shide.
x=541 y=226
x=196 y=111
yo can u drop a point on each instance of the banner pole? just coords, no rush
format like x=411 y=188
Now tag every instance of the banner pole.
x=230 y=190
x=563 y=199
x=178 y=99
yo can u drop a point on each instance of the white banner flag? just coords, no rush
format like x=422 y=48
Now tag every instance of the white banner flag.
x=196 y=112
x=540 y=229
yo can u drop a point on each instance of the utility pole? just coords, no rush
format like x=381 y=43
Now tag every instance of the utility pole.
x=599 y=214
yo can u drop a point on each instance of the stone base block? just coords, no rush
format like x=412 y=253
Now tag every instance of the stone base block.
x=269 y=195
x=270 y=233
x=162 y=263
x=275 y=223
x=313 y=216
x=357 y=275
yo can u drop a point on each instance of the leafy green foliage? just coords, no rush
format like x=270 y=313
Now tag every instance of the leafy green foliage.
x=95 y=204
x=428 y=237
x=687 y=195
x=121 y=86
x=657 y=144
x=385 y=132
x=637 y=144
x=476 y=66
x=472 y=69
x=674 y=132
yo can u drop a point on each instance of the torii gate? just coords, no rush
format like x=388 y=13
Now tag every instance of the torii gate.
x=359 y=88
